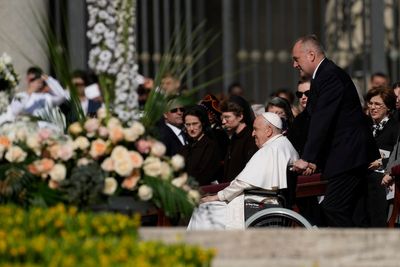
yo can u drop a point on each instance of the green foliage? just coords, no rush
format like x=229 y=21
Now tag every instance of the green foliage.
x=65 y=237
x=14 y=184
x=85 y=185
x=162 y=197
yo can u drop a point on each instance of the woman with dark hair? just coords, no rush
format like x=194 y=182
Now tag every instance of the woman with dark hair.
x=202 y=154
x=237 y=120
x=381 y=103
x=281 y=107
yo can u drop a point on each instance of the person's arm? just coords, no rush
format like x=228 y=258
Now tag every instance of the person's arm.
x=229 y=193
x=57 y=92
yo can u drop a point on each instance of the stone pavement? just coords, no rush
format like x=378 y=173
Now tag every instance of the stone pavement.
x=292 y=247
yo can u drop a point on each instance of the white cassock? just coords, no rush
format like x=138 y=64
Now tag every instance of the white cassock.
x=266 y=169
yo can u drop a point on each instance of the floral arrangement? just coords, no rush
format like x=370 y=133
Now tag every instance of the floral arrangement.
x=8 y=81
x=50 y=237
x=98 y=158
x=111 y=33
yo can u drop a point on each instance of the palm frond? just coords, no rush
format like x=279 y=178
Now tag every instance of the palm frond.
x=54 y=116
x=171 y=199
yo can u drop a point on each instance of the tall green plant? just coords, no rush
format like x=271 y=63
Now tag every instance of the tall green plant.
x=179 y=59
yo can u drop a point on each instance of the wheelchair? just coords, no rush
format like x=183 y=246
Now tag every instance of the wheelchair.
x=264 y=208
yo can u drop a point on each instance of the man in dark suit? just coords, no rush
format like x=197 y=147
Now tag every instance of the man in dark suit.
x=170 y=129
x=339 y=140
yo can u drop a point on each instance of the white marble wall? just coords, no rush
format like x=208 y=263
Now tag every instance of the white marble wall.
x=20 y=36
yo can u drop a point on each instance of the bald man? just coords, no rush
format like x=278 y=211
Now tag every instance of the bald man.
x=339 y=140
x=266 y=170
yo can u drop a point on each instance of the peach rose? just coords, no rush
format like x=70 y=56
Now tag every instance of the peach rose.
x=119 y=153
x=98 y=148
x=5 y=141
x=177 y=162
x=53 y=150
x=108 y=165
x=110 y=185
x=15 y=154
x=145 y=192
x=42 y=166
x=136 y=158
x=152 y=166
x=116 y=134
x=58 y=172
x=158 y=149
x=131 y=181
x=20 y=135
x=81 y=143
x=75 y=128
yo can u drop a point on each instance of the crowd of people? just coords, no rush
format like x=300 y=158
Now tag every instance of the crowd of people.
x=252 y=145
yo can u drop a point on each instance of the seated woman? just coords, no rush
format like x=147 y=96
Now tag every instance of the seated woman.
x=281 y=107
x=202 y=153
x=266 y=170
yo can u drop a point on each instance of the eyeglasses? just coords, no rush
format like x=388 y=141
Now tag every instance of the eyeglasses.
x=376 y=104
x=300 y=94
x=175 y=110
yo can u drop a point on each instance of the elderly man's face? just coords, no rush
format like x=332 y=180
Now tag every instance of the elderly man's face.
x=303 y=60
x=261 y=131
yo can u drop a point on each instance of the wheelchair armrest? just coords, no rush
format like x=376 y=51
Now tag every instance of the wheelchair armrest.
x=262 y=192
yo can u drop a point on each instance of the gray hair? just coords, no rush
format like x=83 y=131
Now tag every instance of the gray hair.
x=311 y=42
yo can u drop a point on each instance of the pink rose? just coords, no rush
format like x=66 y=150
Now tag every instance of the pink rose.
x=91 y=125
x=143 y=146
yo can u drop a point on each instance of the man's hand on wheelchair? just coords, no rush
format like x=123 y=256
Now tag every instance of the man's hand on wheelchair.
x=209 y=199
x=304 y=167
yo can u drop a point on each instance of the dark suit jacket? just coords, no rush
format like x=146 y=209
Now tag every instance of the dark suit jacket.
x=203 y=160
x=169 y=138
x=339 y=137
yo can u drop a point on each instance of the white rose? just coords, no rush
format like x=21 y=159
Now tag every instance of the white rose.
x=165 y=170
x=81 y=143
x=58 y=172
x=123 y=167
x=119 y=153
x=101 y=113
x=130 y=135
x=83 y=162
x=66 y=152
x=75 y=128
x=91 y=125
x=113 y=122
x=152 y=166
x=177 y=162
x=180 y=181
x=194 y=195
x=145 y=192
x=33 y=143
x=15 y=154
x=138 y=128
x=158 y=149
x=110 y=185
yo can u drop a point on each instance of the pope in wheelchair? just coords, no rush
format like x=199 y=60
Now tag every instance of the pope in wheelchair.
x=266 y=170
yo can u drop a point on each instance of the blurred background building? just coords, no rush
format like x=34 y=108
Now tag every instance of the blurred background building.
x=254 y=48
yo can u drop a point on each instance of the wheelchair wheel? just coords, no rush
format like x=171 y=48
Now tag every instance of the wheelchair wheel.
x=277 y=217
